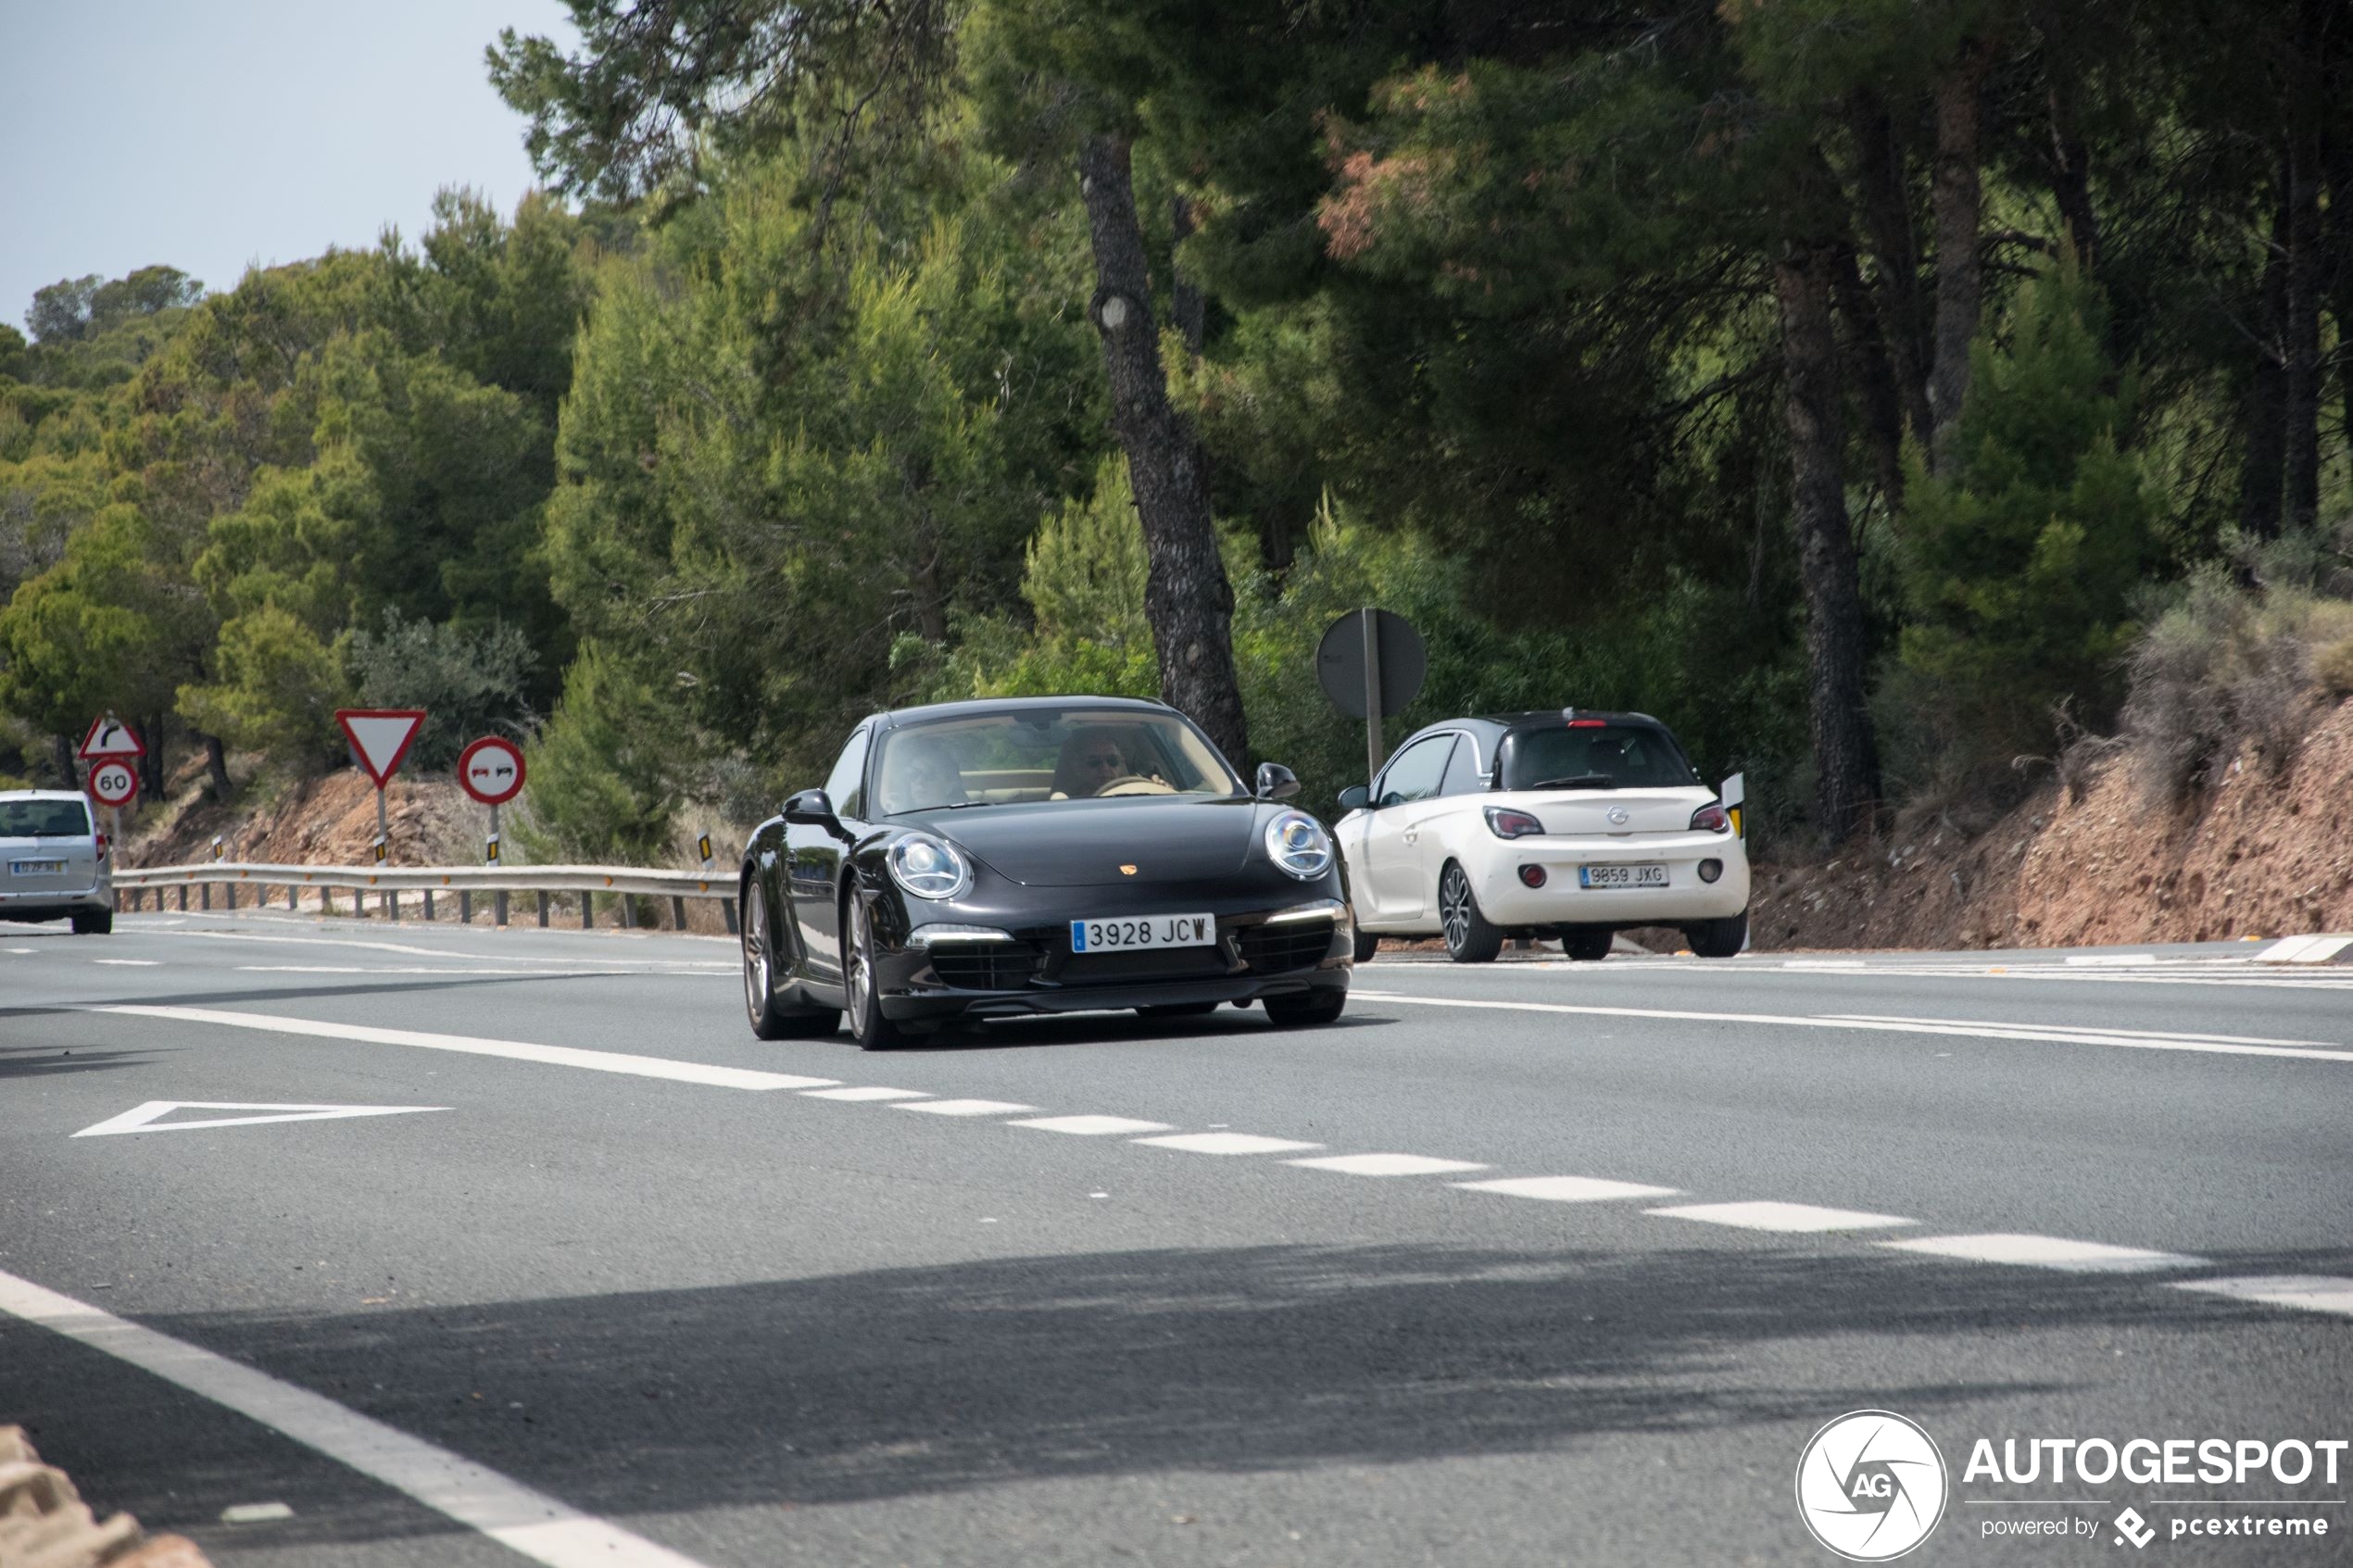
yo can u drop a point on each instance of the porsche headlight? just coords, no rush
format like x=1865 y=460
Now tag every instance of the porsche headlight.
x=1297 y=843
x=928 y=867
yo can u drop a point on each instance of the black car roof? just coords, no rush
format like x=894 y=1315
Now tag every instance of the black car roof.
x=899 y=716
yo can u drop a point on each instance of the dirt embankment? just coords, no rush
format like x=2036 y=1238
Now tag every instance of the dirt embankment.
x=329 y=821
x=2260 y=853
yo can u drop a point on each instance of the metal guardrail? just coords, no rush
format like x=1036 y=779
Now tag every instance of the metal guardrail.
x=390 y=882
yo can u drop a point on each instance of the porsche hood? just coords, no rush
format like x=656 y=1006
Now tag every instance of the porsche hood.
x=1085 y=843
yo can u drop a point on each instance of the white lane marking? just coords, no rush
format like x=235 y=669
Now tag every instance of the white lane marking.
x=255 y=1513
x=1229 y=1143
x=516 y=1050
x=2310 y=1293
x=2304 y=949
x=133 y=963
x=1567 y=1189
x=149 y=1118
x=1995 y=1026
x=706 y=965
x=866 y=1092
x=1092 y=1126
x=1771 y=1216
x=20 y=952
x=444 y=968
x=2094 y=958
x=1802 y=1021
x=965 y=1107
x=2045 y=1252
x=479 y=1498
x=1824 y=963
x=1386 y=1164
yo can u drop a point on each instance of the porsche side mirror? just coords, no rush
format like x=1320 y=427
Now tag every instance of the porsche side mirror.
x=1277 y=782
x=1355 y=797
x=812 y=807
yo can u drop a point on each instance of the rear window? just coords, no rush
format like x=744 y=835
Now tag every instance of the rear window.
x=43 y=819
x=1589 y=755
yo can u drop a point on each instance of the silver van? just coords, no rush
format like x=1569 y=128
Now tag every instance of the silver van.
x=54 y=862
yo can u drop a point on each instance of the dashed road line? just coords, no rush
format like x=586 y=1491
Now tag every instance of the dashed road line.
x=2045 y=1252
x=1568 y=1189
x=963 y=1106
x=2308 y=1293
x=1766 y=1215
x=1227 y=1143
x=480 y=1499
x=1386 y=1164
x=1092 y=1126
x=868 y=1093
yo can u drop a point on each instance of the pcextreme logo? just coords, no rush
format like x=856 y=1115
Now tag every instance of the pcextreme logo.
x=1871 y=1485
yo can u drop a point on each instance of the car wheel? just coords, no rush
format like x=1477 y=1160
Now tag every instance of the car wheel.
x=1178 y=1010
x=1718 y=938
x=1587 y=944
x=867 y=1024
x=97 y=922
x=1367 y=944
x=1469 y=939
x=1315 y=1007
x=769 y=1021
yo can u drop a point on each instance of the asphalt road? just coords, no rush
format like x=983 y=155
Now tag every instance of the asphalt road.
x=621 y=1283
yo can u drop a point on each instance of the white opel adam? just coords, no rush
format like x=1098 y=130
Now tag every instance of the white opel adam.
x=1564 y=823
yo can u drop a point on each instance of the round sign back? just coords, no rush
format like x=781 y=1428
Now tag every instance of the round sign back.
x=113 y=783
x=491 y=771
x=1341 y=661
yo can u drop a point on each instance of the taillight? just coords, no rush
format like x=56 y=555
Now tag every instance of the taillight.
x=1711 y=819
x=102 y=846
x=1504 y=822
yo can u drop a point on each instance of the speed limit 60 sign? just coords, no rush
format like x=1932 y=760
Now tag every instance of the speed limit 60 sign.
x=113 y=783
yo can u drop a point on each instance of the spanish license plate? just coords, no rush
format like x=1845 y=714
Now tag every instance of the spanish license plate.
x=1142 y=930
x=1621 y=876
x=36 y=867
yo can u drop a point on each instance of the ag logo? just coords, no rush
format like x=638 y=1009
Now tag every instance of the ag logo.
x=1871 y=1485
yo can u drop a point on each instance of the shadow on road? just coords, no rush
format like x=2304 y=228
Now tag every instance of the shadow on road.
x=920 y=1380
x=37 y=1061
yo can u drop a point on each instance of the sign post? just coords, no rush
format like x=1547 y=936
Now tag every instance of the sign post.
x=491 y=771
x=110 y=748
x=380 y=740
x=1371 y=663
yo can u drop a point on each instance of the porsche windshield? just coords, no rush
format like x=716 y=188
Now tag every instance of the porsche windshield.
x=1590 y=756
x=1045 y=754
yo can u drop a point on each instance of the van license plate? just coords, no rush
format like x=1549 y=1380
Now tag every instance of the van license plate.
x=36 y=867
x=1621 y=876
x=1143 y=931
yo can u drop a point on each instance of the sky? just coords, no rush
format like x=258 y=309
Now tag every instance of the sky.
x=213 y=137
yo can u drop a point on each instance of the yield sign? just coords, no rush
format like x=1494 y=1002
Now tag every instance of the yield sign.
x=149 y=1118
x=110 y=736
x=379 y=737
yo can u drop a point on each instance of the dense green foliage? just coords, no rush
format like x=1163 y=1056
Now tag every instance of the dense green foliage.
x=1631 y=351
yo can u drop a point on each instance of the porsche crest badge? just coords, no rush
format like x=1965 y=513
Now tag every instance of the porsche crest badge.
x=1128 y=870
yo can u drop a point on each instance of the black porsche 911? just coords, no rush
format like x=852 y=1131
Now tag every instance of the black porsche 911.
x=1037 y=855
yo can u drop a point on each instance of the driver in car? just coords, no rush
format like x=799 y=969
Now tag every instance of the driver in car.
x=1092 y=760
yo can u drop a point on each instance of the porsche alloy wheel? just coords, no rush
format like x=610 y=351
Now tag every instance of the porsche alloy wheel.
x=1469 y=938
x=769 y=1022
x=874 y=1032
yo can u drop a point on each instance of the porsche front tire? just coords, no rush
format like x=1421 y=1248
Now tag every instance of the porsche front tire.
x=1367 y=943
x=1315 y=1007
x=1469 y=937
x=769 y=1020
x=867 y=1024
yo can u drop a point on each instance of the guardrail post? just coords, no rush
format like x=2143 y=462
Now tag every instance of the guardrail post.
x=465 y=905
x=587 y=910
x=204 y=891
x=429 y=903
x=622 y=918
x=727 y=907
x=677 y=913
x=294 y=899
x=498 y=907
x=543 y=909
x=183 y=897
x=392 y=904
